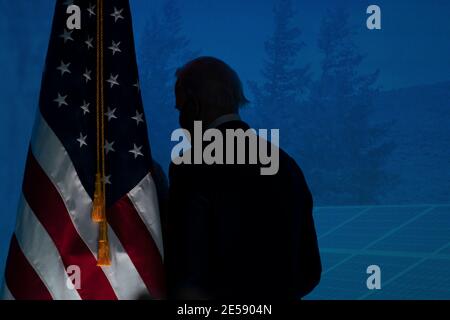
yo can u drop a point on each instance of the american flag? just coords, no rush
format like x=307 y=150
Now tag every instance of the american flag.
x=54 y=229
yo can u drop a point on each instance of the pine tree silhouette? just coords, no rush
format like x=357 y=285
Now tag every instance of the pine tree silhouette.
x=343 y=150
x=164 y=49
x=284 y=81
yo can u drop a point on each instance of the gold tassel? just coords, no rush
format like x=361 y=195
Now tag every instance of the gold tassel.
x=98 y=206
x=103 y=259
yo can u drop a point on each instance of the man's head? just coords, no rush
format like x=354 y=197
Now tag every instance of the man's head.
x=206 y=89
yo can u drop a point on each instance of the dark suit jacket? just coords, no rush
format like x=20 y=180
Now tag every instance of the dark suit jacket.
x=234 y=233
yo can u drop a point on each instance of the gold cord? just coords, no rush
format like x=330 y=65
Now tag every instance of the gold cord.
x=99 y=207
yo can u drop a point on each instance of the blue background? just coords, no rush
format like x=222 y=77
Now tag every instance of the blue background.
x=372 y=133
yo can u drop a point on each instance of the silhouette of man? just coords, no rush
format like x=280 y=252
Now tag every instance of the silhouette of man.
x=232 y=232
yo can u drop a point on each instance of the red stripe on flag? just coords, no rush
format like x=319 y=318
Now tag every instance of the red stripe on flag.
x=22 y=280
x=139 y=244
x=46 y=203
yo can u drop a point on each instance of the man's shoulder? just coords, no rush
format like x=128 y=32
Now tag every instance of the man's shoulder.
x=287 y=161
x=291 y=170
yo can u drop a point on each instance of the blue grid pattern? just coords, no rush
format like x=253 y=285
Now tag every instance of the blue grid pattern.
x=410 y=244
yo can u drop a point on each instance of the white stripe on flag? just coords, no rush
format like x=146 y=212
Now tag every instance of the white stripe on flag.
x=55 y=161
x=42 y=254
x=5 y=294
x=145 y=201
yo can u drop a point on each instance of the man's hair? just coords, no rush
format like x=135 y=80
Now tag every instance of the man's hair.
x=212 y=83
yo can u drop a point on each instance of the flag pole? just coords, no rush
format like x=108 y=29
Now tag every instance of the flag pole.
x=99 y=207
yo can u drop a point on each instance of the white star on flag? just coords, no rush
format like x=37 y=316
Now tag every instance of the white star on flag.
x=89 y=42
x=138 y=117
x=109 y=146
x=61 y=100
x=117 y=14
x=110 y=114
x=107 y=179
x=91 y=10
x=137 y=85
x=115 y=47
x=64 y=68
x=136 y=151
x=85 y=107
x=82 y=140
x=87 y=75
x=113 y=80
x=67 y=35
